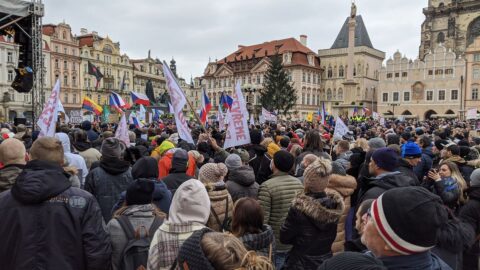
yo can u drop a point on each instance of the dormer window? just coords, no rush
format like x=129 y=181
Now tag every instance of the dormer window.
x=311 y=61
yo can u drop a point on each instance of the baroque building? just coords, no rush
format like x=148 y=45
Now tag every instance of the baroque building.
x=249 y=64
x=145 y=70
x=453 y=23
x=472 y=76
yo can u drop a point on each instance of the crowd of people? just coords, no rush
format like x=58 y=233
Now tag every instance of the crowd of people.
x=401 y=195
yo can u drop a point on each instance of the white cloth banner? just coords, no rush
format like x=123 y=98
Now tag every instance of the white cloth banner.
x=472 y=114
x=170 y=108
x=375 y=116
x=62 y=110
x=48 y=119
x=237 y=130
x=122 y=131
x=178 y=102
x=261 y=119
x=141 y=113
x=268 y=116
x=340 y=128
x=252 y=121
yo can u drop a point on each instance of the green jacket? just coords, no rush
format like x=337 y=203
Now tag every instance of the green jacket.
x=276 y=196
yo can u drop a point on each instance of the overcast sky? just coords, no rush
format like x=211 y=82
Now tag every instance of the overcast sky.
x=193 y=30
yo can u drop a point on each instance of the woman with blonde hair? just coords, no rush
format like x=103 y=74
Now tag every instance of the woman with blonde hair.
x=207 y=250
x=448 y=183
x=361 y=143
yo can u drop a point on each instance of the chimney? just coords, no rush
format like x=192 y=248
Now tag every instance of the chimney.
x=241 y=47
x=83 y=31
x=303 y=40
x=95 y=33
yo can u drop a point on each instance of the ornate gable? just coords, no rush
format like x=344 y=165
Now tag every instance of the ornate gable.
x=262 y=65
x=224 y=71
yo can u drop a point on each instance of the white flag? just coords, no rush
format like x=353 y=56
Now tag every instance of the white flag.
x=62 y=110
x=122 y=131
x=48 y=119
x=252 y=121
x=178 y=102
x=170 y=108
x=340 y=128
x=221 y=120
x=472 y=114
x=268 y=116
x=237 y=131
x=141 y=113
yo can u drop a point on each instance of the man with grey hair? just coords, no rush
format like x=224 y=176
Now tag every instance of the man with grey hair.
x=12 y=155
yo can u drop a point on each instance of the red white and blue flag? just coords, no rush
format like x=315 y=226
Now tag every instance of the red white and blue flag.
x=139 y=98
x=365 y=110
x=117 y=102
x=206 y=107
x=226 y=101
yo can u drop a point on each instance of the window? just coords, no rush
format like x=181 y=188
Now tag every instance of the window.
x=65 y=50
x=329 y=94
x=308 y=99
x=56 y=49
x=65 y=98
x=65 y=65
x=74 y=81
x=441 y=95
x=65 y=80
x=330 y=72
x=476 y=73
x=430 y=72
x=396 y=96
x=397 y=74
x=303 y=76
x=341 y=72
x=10 y=75
x=475 y=93
x=74 y=52
x=385 y=97
x=449 y=71
x=340 y=94
x=98 y=57
x=389 y=75
x=10 y=57
x=429 y=95
x=439 y=72
x=74 y=99
x=406 y=96
x=308 y=78
x=454 y=95
x=404 y=74
x=99 y=98
x=73 y=66
x=56 y=63
x=303 y=98
x=64 y=35
x=476 y=57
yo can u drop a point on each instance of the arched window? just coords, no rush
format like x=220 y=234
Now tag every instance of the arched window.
x=441 y=37
x=329 y=94
x=473 y=30
x=341 y=72
x=330 y=72
x=64 y=35
x=340 y=94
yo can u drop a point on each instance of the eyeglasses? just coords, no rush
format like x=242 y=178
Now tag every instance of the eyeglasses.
x=367 y=216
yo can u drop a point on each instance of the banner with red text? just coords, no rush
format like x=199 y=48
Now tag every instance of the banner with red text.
x=48 y=119
x=237 y=131
x=122 y=131
x=178 y=101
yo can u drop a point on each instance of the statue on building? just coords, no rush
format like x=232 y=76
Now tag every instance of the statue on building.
x=173 y=67
x=353 y=11
x=164 y=98
x=451 y=27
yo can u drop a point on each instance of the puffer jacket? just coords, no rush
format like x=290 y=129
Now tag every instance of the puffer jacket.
x=344 y=185
x=47 y=224
x=139 y=216
x=221 y=205
x=8 y=174
x=372 y=188
x=311 y=227
x=241 y=183
x=275 y=196
x=260 y=242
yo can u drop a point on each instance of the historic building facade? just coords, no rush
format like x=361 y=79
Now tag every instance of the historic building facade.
x=422 y=89
x=115 y=66
x=452 y=23
x=350 y=69
x=148 y=69
x=472 y=76
x=249 y=64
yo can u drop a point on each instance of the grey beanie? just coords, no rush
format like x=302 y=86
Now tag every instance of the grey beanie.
x=475 y=178
x=233 y=161
x=376 y=143
x=337 y=168
x=112 y=148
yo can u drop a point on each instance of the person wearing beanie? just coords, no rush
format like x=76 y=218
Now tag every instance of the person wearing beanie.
x=256 y=151
x=314 y=214
x=352 y=261
x=264 y=171
x=411 y=155
x=276 y=195
x=189 y=212
x=240 y=179
x=84 y=148
x=91 y=134
x=164 y=154
x=402 y=227
x=139 y=212
x=376 y=143
x=451 y=153
x=426 y=161
x=113 y=175
x=145 y=169
x=212 y=176
x=178 y=172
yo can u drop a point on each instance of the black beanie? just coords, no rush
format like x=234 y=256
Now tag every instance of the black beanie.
x=256 y=136
x=352 y=261
x=408 y=218
x=191 y=255
x=140 y=192
x=283 y=160
x=145 y=167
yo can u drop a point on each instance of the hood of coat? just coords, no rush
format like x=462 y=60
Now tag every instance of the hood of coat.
x=39 y=181
x=65 y=140
x=474 y=193
x=322 y=210
x=114 y=166
x=391 y=180
x=243 y=175
x=343 y=184
x=257 y=241
x=139 y=210
x=217 y=192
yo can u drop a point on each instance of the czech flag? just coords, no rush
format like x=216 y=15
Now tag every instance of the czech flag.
x=365 y=110
x=206 y=107
x=139 y=98
x=90 y=105
x=117 y=102
x=226 y=101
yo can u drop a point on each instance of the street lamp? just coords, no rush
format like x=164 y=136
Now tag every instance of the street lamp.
x=393 y=107
x=250 y=89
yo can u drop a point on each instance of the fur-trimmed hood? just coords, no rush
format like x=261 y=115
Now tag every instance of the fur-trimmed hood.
x=343 y=184
x=324 y=209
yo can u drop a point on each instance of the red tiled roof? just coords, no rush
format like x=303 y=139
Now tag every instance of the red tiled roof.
x=85 y=40
x=267 y=49
x=48 y=29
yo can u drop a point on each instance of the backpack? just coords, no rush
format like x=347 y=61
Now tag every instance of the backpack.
x=135 y=253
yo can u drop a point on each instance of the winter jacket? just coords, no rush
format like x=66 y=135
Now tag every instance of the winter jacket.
x=465 y=169
x=426 y=163
x=106 y=182
x=264 y=171
x=422 y=261
x=470 y=213
x=139 y=216
x=356 y=160
x=47 y=224
x=8 y=175
x=344 y=185
x=176 y=176
x=260 y=242
x=256 y=153
x=344 y=159
x=241 y=183
x=74 y=160
x=221 y=205
x=408 y=170
x=165 y=164
x=275 y=196
x=161 y=197
x=90 y=155
x=446 y=188
x=311 y=227
x=299 y=159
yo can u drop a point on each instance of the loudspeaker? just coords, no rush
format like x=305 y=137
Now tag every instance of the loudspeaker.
x=17 y=121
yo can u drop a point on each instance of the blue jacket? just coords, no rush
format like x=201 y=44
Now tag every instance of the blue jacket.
x=421 y=261
x=425 y=164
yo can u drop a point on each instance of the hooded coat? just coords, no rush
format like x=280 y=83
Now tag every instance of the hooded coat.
x=345 y=186
x=426 y=163
x=260 y=242
x=256 y=152
x=74 y=160
x=178 y=174
x=47 y=224
x=8 y=175
x=470 y=213
x=312 y=216
x=241 y=183
x=221 y=207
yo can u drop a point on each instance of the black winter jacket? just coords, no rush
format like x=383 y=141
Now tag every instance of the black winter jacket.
x=241 y=183
x=47 y=224
x=176 y=176
x=256 y=153
x=407 y=169
x=311 y=227
x=372 y=188
x=470 y=213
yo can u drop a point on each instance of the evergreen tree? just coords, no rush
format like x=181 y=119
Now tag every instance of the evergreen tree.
x=277 y=93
